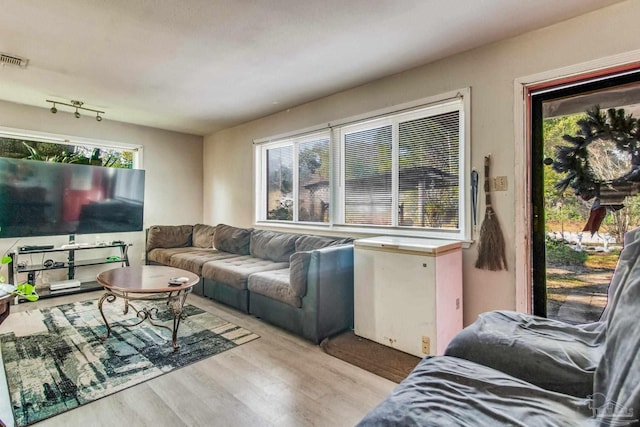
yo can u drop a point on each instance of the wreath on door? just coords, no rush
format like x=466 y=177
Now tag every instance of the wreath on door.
x=605 y=143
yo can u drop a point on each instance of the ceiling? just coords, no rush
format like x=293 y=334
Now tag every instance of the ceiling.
x=198 y=66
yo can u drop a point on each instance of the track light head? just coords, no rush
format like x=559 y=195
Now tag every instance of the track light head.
x=78 y=105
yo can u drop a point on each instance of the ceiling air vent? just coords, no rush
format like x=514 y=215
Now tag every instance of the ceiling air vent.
x=6 y=59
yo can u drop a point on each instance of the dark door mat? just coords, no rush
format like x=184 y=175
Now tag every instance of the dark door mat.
x=379 y=359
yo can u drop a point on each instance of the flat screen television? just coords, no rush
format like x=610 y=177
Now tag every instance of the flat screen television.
x=45 y=199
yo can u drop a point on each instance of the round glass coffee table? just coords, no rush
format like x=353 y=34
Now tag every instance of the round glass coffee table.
x=148 y=283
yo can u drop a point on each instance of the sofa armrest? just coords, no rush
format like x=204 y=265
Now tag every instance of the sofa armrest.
x=328 y=303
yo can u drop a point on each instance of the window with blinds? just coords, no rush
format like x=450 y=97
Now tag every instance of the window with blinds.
x=401 y=172
x=428 y=169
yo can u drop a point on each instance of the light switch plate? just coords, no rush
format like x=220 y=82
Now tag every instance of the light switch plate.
x=499 y=183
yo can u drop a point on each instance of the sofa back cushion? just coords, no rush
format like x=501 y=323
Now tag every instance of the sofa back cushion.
x=310 y=243
x=232 y=239
x=203 y=235
x=272 y=245
x=169 y=236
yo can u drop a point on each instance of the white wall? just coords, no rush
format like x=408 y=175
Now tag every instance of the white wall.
x=490 y=71
x=172 y=161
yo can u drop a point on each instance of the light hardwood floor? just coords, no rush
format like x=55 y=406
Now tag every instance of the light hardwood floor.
x=276 y=380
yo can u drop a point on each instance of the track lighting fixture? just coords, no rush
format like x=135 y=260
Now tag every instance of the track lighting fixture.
x=78 y=105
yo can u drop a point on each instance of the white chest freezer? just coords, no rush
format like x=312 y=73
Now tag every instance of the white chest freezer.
x=408 y=292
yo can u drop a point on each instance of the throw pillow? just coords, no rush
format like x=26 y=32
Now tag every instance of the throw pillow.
x=232 y=239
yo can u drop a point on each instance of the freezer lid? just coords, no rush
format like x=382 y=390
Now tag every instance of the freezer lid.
x=429 y=246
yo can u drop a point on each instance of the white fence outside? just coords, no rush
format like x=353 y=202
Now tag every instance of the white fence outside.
x=583 y=240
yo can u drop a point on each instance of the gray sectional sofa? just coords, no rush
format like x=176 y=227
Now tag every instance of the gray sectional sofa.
x=302 y=283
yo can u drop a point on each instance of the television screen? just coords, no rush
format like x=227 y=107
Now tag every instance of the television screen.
x=45 y=198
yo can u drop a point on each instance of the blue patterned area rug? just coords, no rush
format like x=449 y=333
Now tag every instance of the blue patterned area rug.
x=61 y=361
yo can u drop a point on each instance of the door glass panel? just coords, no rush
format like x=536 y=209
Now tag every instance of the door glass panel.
x=579 y=263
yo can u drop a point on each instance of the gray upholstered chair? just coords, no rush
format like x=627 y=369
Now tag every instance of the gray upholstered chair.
x=552 y=354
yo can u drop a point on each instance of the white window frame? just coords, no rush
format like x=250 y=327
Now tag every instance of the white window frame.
x=459 y=100
x=260 y=157
x=394 y=120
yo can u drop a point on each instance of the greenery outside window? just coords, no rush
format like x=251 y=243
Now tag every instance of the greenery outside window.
x=52 y=148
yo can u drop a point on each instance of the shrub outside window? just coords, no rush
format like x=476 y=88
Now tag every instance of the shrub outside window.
x=51 y=148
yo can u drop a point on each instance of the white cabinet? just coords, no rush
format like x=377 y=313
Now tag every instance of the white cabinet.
x=408 y=292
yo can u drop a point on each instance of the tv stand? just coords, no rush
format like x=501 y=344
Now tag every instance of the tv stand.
x=71 y=264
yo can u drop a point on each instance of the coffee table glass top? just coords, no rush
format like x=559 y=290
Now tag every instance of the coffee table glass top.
x=146 y=279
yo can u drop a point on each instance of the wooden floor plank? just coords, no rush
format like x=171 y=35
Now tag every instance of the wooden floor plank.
x=276 y=380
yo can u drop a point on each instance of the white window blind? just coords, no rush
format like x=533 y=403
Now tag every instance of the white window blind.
x=428 y=170
x=367 y=175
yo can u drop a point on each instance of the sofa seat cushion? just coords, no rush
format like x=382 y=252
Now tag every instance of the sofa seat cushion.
x=550 y=353
x=163 y=255
x=447 y=391
x=275 y=285
x=235 y=271
x=194 y=260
